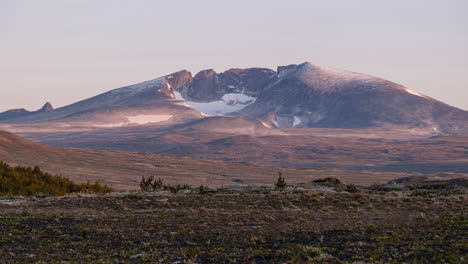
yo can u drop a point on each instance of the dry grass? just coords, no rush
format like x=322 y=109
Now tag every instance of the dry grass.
x=233 y=227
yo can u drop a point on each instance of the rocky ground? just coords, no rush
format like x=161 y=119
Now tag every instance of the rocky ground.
x=321 y=222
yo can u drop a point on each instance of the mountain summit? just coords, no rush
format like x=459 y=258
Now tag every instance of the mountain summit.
x=21 y=112
x=294 y=96
x=47 y=107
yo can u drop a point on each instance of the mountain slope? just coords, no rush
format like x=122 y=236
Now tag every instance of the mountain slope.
x=317 y=96
x=149 y=93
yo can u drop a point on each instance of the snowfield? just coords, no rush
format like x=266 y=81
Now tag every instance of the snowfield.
x=111 y=125
x=297 y=121
x=146 y=119
x=139 y=120
x=229 y=103
x=414 y=93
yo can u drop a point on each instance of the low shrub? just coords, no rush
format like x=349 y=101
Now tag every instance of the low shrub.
x=27 y=181
x=280 y=182
x=151 y=184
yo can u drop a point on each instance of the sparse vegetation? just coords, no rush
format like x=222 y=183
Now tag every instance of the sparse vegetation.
x=320 y=222
x=152 y=184
x=176 y=187
x=280 y=182
x=247 y=227
x=27 y=181
x=203 y=190
x=428 y=190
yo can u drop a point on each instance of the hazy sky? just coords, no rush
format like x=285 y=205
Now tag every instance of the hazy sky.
x=64 y=51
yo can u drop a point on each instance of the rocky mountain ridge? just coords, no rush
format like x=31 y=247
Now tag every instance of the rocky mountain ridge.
x=295 y=96
x=21 y=112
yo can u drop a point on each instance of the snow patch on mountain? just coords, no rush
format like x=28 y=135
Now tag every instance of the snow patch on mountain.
x=111 y=125
x=183 y=103
x=297 y=121
x=265 y=124
x=146 y=119
x=413 y=92
x=138 y=120
x=231 y=102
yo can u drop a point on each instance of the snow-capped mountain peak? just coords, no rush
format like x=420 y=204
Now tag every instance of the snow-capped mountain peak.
x=299 y=95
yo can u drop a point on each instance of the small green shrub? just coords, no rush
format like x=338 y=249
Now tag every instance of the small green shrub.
x=177 y=187
x=145 y=184
x=151 y=184
x=280 y=182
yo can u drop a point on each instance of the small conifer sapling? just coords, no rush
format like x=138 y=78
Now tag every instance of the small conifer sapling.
x=281 y=182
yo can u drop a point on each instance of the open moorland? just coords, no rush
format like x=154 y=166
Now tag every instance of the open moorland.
x=320 y=222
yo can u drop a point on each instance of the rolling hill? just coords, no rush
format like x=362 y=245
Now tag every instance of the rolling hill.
x=123 y=170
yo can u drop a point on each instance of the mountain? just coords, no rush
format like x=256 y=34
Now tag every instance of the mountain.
x=314 y=96
x=21 y=112
x=299 y=116
x=295 y=96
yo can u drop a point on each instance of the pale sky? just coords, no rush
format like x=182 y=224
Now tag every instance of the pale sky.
x=64 y=51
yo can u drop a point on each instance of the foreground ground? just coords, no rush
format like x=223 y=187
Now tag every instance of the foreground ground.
x=314 y=224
